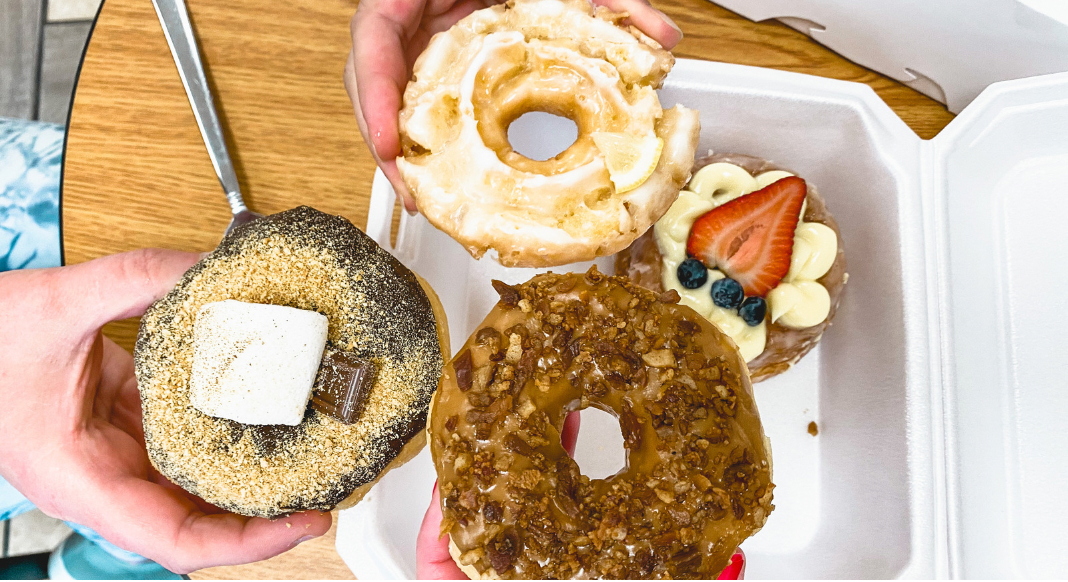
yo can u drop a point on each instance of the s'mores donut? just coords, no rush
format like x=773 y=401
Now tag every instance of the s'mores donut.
x=290 y=368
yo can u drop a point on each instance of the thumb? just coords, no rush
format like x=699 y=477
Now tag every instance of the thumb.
x=119 y=286
x=649 y=20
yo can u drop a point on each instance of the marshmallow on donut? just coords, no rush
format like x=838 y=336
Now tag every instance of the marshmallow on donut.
x=564 y=58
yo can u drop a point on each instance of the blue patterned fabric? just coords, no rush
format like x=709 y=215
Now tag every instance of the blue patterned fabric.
x=31 y=156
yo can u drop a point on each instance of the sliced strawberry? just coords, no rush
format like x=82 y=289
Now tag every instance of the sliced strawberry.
x=751 y=237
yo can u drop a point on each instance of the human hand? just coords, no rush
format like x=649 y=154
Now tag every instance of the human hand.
x=71 y=438
x=387 y=37
x=434 y=562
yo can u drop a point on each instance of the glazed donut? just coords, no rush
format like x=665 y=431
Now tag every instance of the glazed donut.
x=375 y=307
x=784 y=337
x=698 y=475
x=560 y=57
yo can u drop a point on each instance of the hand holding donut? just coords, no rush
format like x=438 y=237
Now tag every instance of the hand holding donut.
x=387 y=37
x=71 y=438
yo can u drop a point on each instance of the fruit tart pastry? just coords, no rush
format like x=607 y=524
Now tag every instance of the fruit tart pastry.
x=752 y=248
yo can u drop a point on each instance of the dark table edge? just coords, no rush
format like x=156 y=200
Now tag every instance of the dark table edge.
x=66 y=133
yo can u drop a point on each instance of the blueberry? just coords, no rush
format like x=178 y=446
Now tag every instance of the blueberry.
x=753 y=310
x=692 y=274
x=727 y=293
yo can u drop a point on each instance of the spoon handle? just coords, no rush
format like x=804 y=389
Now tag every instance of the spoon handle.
x=174 y=17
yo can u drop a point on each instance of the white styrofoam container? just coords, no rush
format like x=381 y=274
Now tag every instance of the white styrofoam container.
x=949 y=50
x=997 y=249
x=939 y=388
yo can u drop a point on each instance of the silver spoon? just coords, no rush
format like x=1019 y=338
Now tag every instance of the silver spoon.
x=174 y=16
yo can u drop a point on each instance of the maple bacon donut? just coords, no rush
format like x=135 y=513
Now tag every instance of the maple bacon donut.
x=560 y=57
x=697 y=481
x=752 y=248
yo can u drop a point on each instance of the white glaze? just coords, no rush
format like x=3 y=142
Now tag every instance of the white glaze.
x=464 y=188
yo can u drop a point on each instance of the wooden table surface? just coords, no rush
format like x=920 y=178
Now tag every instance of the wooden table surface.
x=137 y=175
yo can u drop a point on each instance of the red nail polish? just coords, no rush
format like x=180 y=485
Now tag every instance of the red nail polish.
x=735 y=569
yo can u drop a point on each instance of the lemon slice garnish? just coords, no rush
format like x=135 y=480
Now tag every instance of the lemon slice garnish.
x=630 y=160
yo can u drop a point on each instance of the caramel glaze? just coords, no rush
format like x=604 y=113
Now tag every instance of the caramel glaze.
x=698 y=476
x=641 y=262
x=506 y=90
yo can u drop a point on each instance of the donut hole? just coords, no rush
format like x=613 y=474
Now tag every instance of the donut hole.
x=540 y=136
x=599 y=448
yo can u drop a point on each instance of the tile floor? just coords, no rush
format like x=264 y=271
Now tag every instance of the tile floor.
x=34 y=532
x=41 y=43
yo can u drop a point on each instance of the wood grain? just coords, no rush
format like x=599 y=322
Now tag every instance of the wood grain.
x=313 y=560
x=137 y=173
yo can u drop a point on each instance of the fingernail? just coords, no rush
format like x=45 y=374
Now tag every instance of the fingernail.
x=202 y=256
x=404 y=203
x=301 y=540
x=735 y=570
x=669 y=21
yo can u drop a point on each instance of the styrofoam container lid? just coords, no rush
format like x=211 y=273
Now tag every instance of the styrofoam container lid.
x=949 y=50
x=999 y=179
x=921 y=467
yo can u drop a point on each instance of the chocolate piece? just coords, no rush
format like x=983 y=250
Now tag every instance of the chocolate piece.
x=492 y=512
x=344 y=383
x=525 y=370
x=630 y=426
x=462 y=366
x=503 y=550
x=509 y=295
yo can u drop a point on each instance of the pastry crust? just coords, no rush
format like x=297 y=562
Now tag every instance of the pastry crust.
x=641 y=262
x=561 y=57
